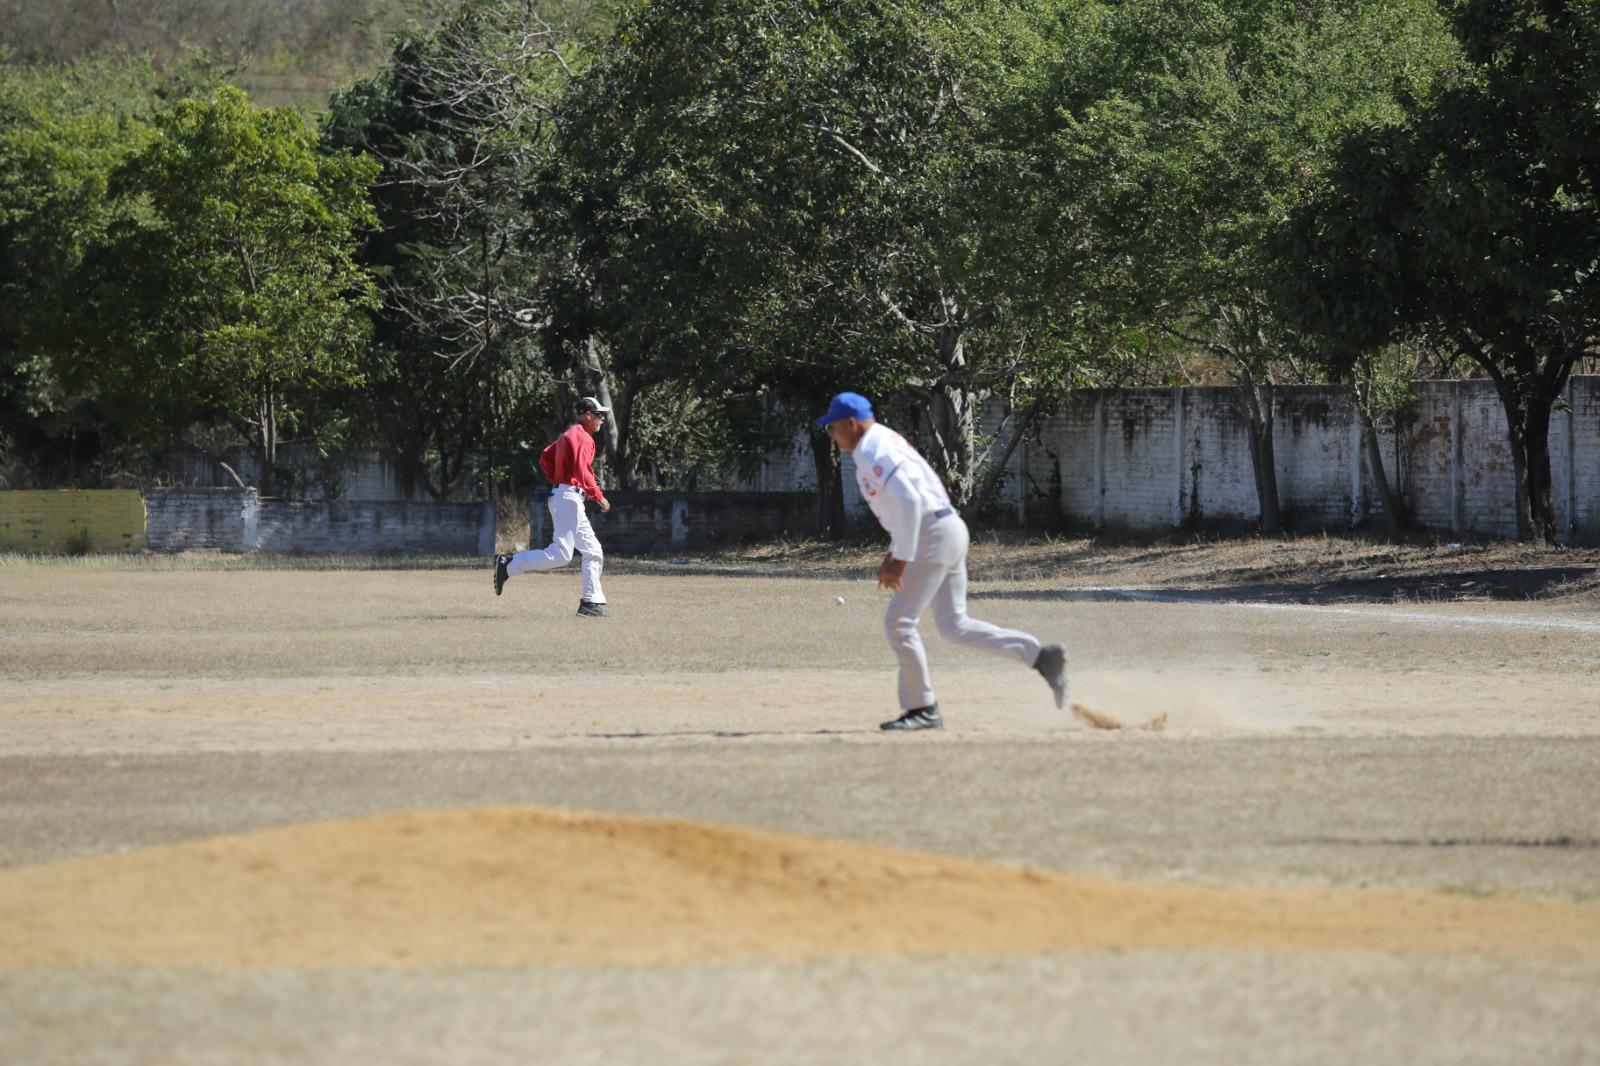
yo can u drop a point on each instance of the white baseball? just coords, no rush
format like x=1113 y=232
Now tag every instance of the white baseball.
x=839 y=600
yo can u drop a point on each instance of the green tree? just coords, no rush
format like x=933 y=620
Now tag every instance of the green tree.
x=459 y=117
x=681 y=196
x=792 y=199
x=63 y=130
x=227 y=288
x=1476 y=224
x=1183 y=133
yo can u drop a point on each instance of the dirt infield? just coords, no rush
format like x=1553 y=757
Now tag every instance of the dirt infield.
x=254 y=815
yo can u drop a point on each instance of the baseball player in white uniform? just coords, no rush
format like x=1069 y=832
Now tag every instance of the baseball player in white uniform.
x=568 y=464
x=926 y=564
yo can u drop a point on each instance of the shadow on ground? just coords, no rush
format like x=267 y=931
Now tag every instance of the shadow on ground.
x=1436 y=585
x=1407 y=588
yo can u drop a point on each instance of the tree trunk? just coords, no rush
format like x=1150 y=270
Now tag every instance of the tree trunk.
x=1395 y=513
x=983 y=498
x=1528 y=423
x=267 y=452
x=1536 y=445
x=952 y=416
x=624 y=471
x=830 y=486
x=625 y=398
x=594 y=372
x=411 y=464
x=1528 y=389
x=453 y=453
x=951 y=422
x=1258 y=411
x=436 y=491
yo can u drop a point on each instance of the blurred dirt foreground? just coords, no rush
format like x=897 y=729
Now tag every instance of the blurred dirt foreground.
x=518 y=885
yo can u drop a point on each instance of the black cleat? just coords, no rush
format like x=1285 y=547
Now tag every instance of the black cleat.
x=917 y=718
x=591 y=610
x=1052 y=664
x=500 y=572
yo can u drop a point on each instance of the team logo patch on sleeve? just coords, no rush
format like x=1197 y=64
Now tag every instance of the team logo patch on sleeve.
x=878 y=470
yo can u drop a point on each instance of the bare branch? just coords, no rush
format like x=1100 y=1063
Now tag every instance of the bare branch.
x=838 y=138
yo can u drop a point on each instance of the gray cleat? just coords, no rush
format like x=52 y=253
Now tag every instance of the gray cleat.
x=1052 y=665
x=500 y=573
x=591 y=610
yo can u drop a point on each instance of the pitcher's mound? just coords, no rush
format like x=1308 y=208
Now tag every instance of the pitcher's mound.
x=527 y=885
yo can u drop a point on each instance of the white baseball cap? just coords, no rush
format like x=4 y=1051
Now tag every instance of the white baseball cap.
x=590 y=405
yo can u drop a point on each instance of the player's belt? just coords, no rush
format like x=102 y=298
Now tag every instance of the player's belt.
x=944 y=512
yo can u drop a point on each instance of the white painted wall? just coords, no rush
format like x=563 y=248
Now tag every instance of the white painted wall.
x=1152 y=459
x=1155 y=459
x=237 y=520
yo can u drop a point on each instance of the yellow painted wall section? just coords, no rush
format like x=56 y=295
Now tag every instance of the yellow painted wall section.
x=71 y=521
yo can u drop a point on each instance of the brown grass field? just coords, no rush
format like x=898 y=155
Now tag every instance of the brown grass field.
x=351 y=811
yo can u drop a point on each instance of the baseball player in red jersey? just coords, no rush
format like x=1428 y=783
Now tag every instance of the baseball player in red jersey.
x=568 y=464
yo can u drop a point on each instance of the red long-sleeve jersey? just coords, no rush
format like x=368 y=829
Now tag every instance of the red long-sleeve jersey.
x=569 y=460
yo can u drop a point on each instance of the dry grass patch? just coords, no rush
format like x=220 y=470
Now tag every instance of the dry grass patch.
x=1300 y=569
x=1306 y=569
x=57 y=621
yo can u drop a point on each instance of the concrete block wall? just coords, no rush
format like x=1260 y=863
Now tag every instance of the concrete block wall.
x=237 y=520
x=331 y=527
x=367 y=474
x=1317 y=447
x=1138 y=460
x=1575 y=458
x=198 y=519
x=666 y=521
x=790 y=468
x=1486 y=480
x=1059 y=474
x=1429 y=478
x=856 y=511
x=1154 y=459
x=1218 y=479
x=1460 y=476
x=1138 y=451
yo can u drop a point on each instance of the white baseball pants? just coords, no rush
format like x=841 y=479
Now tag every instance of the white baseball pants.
x=937 y=577
x=570 y=529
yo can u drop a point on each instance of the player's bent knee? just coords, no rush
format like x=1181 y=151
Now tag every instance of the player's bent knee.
x=956 y=629
x=900 y=630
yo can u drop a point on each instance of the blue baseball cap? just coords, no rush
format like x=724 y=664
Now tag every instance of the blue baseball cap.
x=847 y=405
